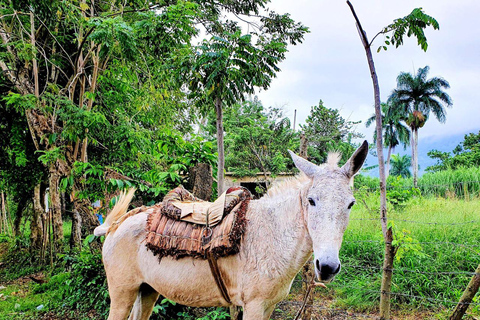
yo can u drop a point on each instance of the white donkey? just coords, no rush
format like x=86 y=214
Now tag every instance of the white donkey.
x=307 y=214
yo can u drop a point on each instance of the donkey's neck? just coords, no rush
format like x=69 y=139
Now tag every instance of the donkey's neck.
x=278 y=243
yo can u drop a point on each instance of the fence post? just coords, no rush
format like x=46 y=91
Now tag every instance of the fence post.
x=467 y=296
x=387 y=276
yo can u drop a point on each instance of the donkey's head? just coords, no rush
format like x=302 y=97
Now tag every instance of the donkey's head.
x=326 y=204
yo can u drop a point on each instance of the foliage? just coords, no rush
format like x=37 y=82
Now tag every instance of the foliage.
x=451 y=183
x=404 y=243
x=431 y=249
x=417 y=93
x=326 y=130
x=394 y=131
x=400 y=165
x=466 y=154
x=231 y=64
x=398 y=192
x=216 y=314
x=413 y=24
x=257 y=139
x=20 y=169
x=86 y=289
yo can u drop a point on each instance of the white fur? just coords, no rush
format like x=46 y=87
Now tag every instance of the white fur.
x=282 y=232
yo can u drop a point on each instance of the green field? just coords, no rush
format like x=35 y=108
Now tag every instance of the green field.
x=438 y=252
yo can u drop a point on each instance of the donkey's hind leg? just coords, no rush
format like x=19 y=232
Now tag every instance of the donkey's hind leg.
x=121 y=301
x=146 y=298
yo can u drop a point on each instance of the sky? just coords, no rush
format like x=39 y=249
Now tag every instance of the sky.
x=331 y=64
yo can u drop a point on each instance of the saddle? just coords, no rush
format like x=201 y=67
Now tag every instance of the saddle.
x=183 y=225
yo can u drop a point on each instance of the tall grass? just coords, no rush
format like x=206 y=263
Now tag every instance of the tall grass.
x=438 y=249
x=460 y=183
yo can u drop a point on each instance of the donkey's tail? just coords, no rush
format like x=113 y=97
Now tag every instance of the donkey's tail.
x=117 y=215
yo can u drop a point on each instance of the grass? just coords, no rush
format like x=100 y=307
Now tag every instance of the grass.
x=435 y=253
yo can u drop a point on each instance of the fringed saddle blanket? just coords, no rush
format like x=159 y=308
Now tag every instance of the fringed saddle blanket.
x=194 y=235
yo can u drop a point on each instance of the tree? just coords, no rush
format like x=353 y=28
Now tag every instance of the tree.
x=419 y=97
x=465 y=154
x=57 y=59
x=326 y=130
x=231 y=64
x=412 y=24
x=257 y=139
x=401 y=165
x=394 y=131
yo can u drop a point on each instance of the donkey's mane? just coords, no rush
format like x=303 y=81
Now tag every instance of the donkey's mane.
x=295 y=182
x=299 y=180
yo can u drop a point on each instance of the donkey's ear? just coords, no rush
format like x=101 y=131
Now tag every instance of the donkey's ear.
x=353 y=165
x=304 y=165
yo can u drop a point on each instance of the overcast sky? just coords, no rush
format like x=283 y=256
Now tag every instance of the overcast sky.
x=331 y=63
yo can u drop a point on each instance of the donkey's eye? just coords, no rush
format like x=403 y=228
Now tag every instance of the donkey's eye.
x=351 y=205
x=312 y=203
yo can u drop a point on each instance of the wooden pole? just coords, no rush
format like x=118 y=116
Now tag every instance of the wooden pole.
x=467 y=296
x=294 y=119
x=387 y=232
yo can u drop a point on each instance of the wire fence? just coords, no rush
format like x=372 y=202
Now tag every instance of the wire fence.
x=456 y=274
x=454 y=189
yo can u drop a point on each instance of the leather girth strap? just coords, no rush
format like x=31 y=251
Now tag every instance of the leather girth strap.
x=218 y=277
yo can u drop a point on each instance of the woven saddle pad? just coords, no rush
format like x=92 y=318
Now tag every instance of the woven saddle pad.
x=168 y=236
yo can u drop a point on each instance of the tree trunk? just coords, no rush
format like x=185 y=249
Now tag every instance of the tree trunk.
x=201 y=181
x=415 y=157
x=303 y=146
x=387 y=168
x=220 y=147
x=55 y=205
x=88 y=220
x=18 y=217
x=36 y=226
x=387 y=232
x=3 y=216
x=76 y=237
x=467 y=296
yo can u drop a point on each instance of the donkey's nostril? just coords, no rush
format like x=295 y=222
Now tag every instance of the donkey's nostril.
x=337 y=270
x=327 y=271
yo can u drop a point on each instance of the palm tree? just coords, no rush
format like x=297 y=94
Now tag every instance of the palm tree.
x=394 y=131
x=418 y=96
x=401 y=165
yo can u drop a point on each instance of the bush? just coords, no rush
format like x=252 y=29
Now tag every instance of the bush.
x=85 y=288
x=399 y=193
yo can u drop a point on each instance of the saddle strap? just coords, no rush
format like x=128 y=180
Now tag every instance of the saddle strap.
x=218 y=277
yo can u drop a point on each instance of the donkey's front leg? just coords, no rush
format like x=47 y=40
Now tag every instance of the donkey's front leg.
x=257 y=310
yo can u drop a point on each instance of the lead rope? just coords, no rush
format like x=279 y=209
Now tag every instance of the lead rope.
x=312 y=283
x=310 y=286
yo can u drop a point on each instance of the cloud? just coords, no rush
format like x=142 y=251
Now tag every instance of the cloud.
x=331 y=64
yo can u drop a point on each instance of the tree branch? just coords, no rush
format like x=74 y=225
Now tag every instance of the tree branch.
x=363 y=35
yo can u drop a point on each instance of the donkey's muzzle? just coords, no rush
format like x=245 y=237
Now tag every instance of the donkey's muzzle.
x=326 y=270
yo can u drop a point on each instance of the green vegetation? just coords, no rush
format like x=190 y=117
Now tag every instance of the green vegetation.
x=102 y=96
x=466 y=154
x=438 y=251
x=326 y=130
x=416 y=97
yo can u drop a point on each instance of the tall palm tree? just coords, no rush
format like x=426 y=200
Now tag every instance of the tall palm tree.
x=394 y=131
x=419 y=97
x=401 y=165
